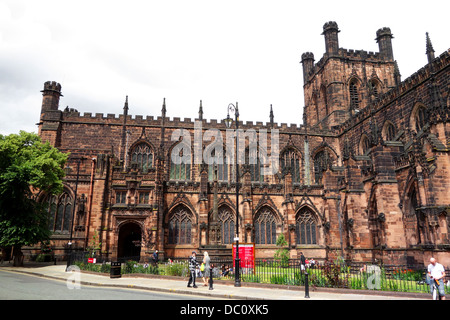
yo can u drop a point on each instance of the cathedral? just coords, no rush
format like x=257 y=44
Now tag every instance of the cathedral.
x=366 y=176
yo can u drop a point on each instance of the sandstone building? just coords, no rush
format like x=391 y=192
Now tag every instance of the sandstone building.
x=366 y=175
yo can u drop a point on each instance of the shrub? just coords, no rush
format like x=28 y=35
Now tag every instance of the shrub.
x=407 y=274
x=44 y=257
x=105 y=268
x=179 y=269
x=282 y=254
x=132 y=266
x=332 y=274
x=129 y=266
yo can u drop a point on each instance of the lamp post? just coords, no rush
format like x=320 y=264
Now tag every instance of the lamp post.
x=228 y=121
x=78 y=161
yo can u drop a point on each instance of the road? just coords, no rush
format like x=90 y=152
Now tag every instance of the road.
x=17 y=286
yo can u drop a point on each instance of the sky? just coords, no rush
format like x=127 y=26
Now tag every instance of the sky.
x=220 y=52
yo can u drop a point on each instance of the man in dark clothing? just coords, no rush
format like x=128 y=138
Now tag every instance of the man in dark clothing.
x=155 y=258
x=193 y=264
x=302 y=261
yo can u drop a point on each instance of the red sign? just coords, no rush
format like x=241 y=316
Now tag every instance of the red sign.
x=246 y=255
x=92 y=260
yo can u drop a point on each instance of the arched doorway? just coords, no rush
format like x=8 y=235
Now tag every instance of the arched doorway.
x=129 y=244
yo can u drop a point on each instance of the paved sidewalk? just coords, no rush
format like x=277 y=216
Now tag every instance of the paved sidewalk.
x=220 y=290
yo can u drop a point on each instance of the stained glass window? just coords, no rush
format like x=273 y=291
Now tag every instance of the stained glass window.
x=265 y=227
x=180 y=226
x=226 y=218
x=142 y=156
x=60 y=209
x=306 y=227
x=291 y=159
x=181 y=171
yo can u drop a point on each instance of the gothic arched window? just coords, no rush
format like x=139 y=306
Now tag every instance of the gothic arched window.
x=374 y=87
x=415 y=220
x=222 y=169
x=226 y=219
x=265 y=227
x=389 y=132
x=420 y=118
x=254 y=163
x=182 y=170
x=60 y=210
x=291 y=160
x=306 y=227
x=364 y=144
x=142 y=156
x=180 y=226
x=354 y=95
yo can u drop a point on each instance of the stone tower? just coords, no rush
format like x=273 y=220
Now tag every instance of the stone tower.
x=50 y=96
x=330 y=32
x=49 y=124
x=344 y=81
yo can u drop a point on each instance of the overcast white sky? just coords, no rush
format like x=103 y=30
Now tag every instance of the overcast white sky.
x=220 y=52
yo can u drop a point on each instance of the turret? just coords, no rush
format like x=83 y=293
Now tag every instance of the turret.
x=330 y=31
x=308 y=65
x=384 y=41
x=50 y=96
x=50 y=120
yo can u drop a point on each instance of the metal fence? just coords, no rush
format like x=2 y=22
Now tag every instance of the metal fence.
x=288 y=272
x=333 y=275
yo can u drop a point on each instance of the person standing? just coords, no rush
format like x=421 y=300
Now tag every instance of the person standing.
x=436 y=272
x=193 y=265
x=155 y=258
x=302 y=261
x=206 y=272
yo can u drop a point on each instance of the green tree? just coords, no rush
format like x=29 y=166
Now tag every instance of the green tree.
x=94 y=245
x=27 y=167
x=282 y=254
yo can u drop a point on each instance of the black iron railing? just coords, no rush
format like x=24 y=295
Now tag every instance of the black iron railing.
x=289 y=272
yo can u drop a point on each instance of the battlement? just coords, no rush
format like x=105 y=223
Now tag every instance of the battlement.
x=333 y=51
x=72 y=115
x=419 y=77
x=52 y=86
x=359 y=54
x=382 y=32
x=330 y=26
x=307 y=56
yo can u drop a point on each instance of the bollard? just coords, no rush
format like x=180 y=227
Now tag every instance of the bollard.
x=306 y=285
x=211 y=277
